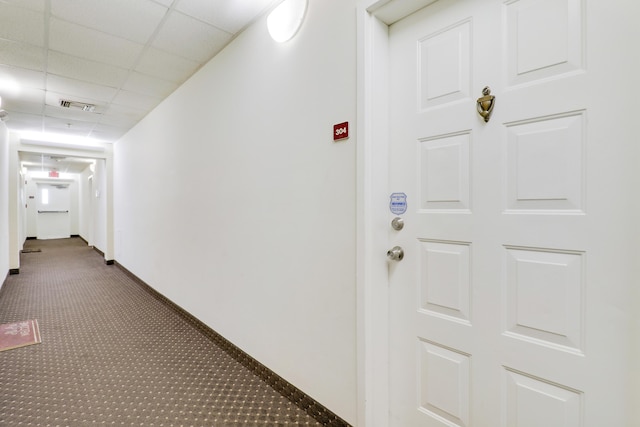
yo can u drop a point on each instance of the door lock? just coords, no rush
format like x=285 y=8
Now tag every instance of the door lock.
x=395 y=254
x=397 y=223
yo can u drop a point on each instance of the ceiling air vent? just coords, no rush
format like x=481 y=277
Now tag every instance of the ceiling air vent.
x=77 y=105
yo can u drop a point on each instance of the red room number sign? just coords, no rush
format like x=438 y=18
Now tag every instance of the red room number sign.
x=341 y=131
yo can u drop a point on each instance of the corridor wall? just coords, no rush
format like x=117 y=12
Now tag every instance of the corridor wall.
x=4 y=202
x=232 y=199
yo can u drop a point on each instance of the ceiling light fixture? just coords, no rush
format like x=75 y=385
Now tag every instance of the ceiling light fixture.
x=286 y=19
x=60 y=141
x=3 y=113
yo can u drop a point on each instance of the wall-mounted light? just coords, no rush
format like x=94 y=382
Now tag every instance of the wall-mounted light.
x=286 y=19
x=3 y=114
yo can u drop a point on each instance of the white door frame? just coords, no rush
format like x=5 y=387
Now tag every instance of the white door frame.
x=374 y=18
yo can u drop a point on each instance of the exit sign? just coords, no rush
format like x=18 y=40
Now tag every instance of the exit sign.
x=341 y=131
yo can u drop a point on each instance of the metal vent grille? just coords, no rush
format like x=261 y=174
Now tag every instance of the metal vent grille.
x=77 y=105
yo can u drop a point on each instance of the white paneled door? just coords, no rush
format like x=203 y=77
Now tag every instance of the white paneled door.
x=509 y=307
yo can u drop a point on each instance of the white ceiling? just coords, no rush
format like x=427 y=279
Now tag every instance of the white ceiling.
x=51 y=162
x=121 y=56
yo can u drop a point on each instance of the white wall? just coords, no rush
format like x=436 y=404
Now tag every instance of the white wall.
x=4 y=202
x=233 y=201
x=31 y=210
x=22 y=203
x=74 y=206
x=16 y=215
x=85 y=217
x=99 y=212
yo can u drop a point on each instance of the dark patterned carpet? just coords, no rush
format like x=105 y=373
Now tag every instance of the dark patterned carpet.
x=112 y=354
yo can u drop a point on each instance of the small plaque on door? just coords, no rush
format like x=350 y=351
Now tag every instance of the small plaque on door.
x=398 y=203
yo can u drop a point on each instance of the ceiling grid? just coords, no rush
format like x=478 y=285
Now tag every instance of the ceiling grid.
x=123 y=57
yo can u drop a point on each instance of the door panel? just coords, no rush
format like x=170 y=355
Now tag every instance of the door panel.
x=434 y=325
x=493 y=320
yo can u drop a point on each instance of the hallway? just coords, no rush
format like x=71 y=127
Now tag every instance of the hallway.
x=113 y=352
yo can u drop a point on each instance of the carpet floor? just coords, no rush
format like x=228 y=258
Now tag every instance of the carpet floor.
x=112 y=354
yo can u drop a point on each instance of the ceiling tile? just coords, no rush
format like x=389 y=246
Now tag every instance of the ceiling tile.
x=76 y=88
x=67 y=124
x=35 y=5
x=24 y=121
x=22 y=25
x=80 y=41
x=21 y=55
x=57 y=127
x=28 y=101
x=116 y=115
x=25 y=79
x=136 y=100
x=73 y=113
x=132 y=20
x=147 y=85
x=85 y=70
x=120 y=120
x=108 y=133
x=167 y=66
x=228 y=15
x=20 y=106
x=190 y=38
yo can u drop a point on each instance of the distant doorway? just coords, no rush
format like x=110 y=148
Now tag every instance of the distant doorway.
x=53 y=219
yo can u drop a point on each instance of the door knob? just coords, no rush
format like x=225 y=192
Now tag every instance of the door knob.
x=396 y=253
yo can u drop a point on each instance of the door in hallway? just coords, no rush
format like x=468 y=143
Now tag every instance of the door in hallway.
x=53 y=219
x=503 y=312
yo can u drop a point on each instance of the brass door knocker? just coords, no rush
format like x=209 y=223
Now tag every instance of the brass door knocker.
x=486 y=103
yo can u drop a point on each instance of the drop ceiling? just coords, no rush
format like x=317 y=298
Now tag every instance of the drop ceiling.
x=34 y=162
x=110 y=62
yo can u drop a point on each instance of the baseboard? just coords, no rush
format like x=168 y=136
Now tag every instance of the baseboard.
x=32 y=238
x=286 y=389
x=106 y=261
